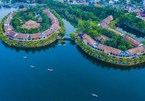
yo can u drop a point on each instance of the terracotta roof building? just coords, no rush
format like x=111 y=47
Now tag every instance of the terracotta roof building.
x=11 y=34
x=115 y=31
x=48 y=32
x=105 y=23
x=31 y=24
x=137 y=51
x=109 y=50
x=36 y=36
x=22 y=36
x=87 y=39
x=132 y=41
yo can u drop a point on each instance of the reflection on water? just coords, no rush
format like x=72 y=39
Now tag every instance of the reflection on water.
x=33 y=50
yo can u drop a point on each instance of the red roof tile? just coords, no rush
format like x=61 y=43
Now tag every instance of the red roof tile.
x=132 y=41
x=22 y=36
x=36 y=36
x=89 y=39
x=48 y=32
x=137 y=50
x=108 y=49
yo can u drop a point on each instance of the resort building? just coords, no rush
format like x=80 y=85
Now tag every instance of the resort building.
x=10 y=33
x=131 y=53
x=132 y=41
x=87 y=39
x=22 y=37
x=105 y=23
x=108 y=50
x=137 y=51
x=31 y=24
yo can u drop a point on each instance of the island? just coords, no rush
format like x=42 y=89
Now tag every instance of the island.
x=30 y=27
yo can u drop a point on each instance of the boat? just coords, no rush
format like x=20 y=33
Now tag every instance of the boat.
x=32 y=66
x=25 y=57
x=49 y=69
x=94 y=95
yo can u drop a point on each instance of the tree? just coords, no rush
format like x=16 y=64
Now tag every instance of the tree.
x=73 y=36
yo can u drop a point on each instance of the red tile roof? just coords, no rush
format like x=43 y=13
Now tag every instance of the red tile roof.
x=108 y=49
x=11 y=33
x=106 y=21
x=55 y=26
x=132 y=41
x=89 y=39
x=48 y=32
x=137 y=50
x=36 y=36
x=22 y=36
x=117 y=32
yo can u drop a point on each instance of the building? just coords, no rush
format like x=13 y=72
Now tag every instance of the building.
x=36 y=36
x=132 y=41
x=109 y=50
x=105 y=23
x=88 y=40
x=22 y=37
x=48 y=32
x=136 y=51
x=31 y=24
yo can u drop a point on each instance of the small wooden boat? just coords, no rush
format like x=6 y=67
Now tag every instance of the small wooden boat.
x=94 y=95
x=25 y=57
x=32 y=66
x=49 y=69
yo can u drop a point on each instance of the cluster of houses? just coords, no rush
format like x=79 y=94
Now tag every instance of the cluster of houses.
x=10 y=33
x=138 y=49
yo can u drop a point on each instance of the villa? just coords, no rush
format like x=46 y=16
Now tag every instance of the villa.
x=105 y=23
x=31 y=24
x=132 y=41
x=131 y=53
x=88 y=40
x=22 y=37
x=36 y=36
x=28 y=25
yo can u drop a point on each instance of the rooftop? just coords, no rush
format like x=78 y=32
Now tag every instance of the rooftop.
x=31 y=24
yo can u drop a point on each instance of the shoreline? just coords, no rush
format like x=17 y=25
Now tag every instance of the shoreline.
x=29 y=43
x=125 y=65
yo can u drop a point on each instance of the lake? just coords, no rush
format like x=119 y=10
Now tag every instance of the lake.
x=75 y=75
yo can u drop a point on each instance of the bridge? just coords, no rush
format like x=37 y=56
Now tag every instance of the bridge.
x=66 y=37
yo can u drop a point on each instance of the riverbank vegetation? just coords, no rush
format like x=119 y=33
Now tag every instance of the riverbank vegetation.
x=26 y=44
x=107 y=58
